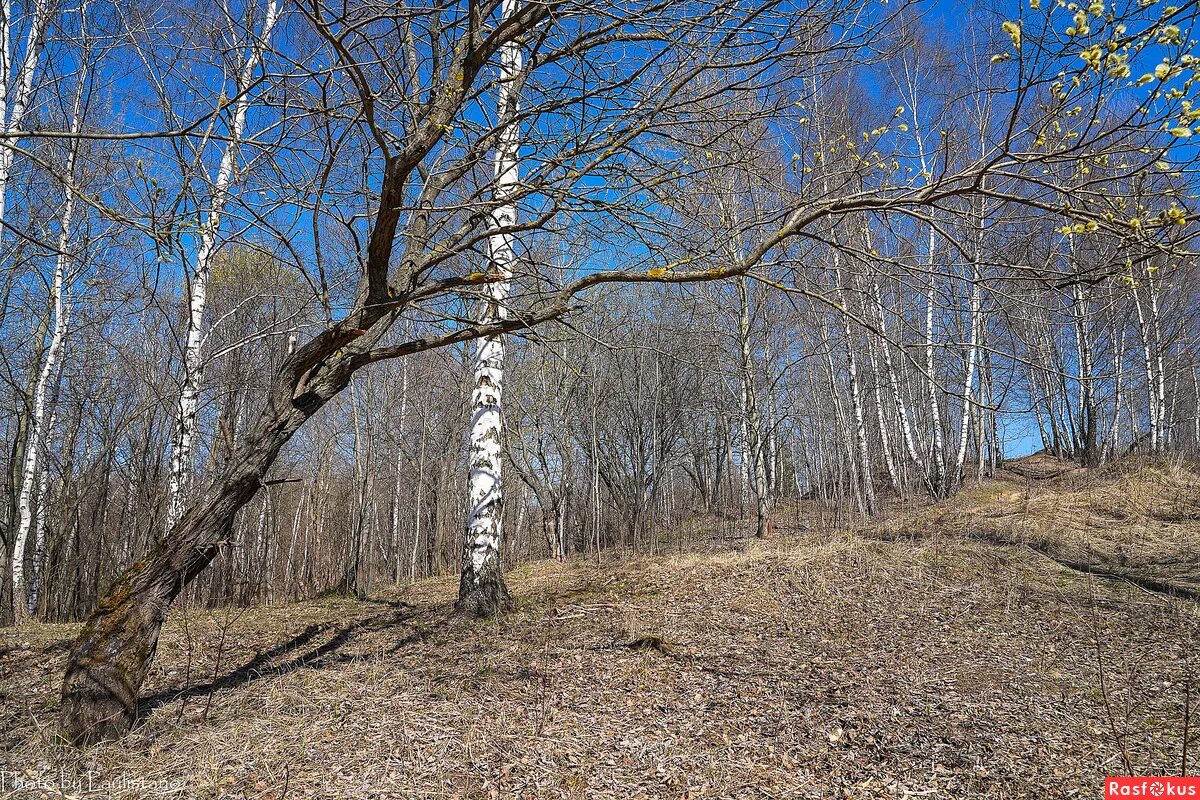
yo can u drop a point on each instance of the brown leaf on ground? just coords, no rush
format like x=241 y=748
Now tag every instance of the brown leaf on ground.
x=820 y=664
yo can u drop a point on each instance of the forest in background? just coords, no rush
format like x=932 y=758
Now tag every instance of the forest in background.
x=269 y=269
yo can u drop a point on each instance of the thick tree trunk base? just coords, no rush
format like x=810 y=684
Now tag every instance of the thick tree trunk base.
x=485 y=599
x=109 y=663
x=98 y=704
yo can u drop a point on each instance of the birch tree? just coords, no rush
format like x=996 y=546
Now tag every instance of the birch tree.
x=25 y=602
x=481 y=589
x=198 y=275
x=17 y=74
x=385 y=187
x=755 y=448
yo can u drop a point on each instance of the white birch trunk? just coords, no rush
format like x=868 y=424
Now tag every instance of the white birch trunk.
x=1148 y=363
x=910 y=444
x=772 y=439
x=399 y=462
x=1164 y=430
x=860 y=428
x=885 y=439
x=417 y=511
x=1088 y=414
x=37 y=428
x=13 y=116
x=969 y=381
x=291 y=554
x=968 y=391
x=1195 y=412
x=481 y=587
x=23 y=605
x=772 y=443
x=744 y=457
x=1114 y=436
x=752 y=425
x=362 y=456
x=844 y=436
x=860 y=425
x=938 y=473
x=39 y=529
x=193 y=358
x=596 y=480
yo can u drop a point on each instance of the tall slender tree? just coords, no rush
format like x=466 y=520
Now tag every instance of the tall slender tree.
x=482 y=591
x=186 y=422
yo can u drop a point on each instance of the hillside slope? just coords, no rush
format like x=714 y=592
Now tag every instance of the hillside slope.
x=819 y=664
x=1138 y=520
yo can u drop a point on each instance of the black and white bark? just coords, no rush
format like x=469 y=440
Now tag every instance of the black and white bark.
x=481 y=590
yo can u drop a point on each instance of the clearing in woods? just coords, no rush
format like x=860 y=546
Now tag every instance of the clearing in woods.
x=945 y=651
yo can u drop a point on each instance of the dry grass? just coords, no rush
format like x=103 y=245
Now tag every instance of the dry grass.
x=1139 y=518
x=823 y=665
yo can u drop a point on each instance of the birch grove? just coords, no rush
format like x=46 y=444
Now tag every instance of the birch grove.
x=639 y=274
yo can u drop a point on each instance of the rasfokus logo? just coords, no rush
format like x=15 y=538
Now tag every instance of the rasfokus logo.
x=1153 y=787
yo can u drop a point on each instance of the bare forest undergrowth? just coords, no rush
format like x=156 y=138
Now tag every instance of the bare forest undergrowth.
x=944 y=652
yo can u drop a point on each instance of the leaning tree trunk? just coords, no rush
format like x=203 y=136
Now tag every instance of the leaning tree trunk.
x=112 y=655
x=481 y=590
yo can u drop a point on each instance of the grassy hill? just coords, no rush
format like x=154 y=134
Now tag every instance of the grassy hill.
x=943 y=651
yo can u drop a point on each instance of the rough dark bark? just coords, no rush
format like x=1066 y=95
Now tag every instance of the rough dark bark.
x=762 y=521
x=6 y=609
x=485 y=597
x=112 y=655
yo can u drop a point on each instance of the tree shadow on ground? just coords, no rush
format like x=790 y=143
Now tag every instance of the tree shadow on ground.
x=329 y=653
